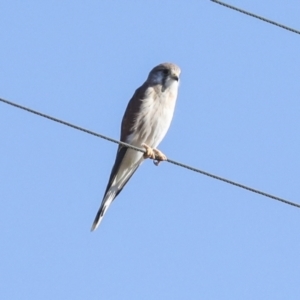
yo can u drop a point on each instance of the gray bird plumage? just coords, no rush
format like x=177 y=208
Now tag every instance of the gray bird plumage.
x=146 y=120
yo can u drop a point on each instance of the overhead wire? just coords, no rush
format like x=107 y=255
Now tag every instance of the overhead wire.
x=143 y=150
x=256 y=16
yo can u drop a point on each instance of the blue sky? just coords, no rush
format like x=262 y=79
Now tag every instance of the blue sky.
x=171 y=233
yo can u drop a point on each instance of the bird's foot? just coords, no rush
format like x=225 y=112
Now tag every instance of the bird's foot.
x=159 y=157
x=149 y=151
x=154 y=154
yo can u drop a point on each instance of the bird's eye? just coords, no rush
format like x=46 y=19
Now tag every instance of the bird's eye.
x=165 y=72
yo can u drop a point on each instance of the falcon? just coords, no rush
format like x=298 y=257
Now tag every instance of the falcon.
x=145 y=123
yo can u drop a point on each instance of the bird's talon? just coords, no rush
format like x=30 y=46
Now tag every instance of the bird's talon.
x=149 y=151
x=156 y=162
x=154 y=154
x=159 y=157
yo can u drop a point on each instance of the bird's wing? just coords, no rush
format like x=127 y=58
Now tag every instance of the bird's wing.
x=126 y=156
x=127 y=160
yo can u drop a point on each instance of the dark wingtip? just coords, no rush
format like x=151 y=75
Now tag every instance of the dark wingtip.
x=98 y=217
x=97 y=220
x=94 y=226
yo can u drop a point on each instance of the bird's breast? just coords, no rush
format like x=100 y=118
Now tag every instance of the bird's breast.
x=154 y=118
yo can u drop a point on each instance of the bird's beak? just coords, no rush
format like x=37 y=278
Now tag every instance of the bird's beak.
x=175 y=77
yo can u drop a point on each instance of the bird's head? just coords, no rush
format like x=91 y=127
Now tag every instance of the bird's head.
x=166 y=75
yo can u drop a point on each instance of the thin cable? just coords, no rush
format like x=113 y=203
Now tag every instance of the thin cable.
x=142 y=150
x=256 y=16
x=71 y=125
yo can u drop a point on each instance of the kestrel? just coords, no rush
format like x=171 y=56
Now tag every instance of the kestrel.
x=145 y=123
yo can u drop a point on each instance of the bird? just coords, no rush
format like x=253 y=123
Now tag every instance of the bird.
x=145 y=123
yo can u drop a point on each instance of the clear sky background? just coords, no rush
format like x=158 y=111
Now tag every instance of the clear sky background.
x=171 y=233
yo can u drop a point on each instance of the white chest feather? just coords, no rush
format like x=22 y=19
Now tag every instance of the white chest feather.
x=155 y=116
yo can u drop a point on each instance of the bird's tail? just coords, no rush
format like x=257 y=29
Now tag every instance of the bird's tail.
x=106 y=202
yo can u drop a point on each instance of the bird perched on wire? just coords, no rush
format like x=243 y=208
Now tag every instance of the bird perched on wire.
x=145 y=123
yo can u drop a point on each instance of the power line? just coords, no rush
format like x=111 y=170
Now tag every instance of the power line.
x=142 y=150
x=256 y=16
x=71 y=125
